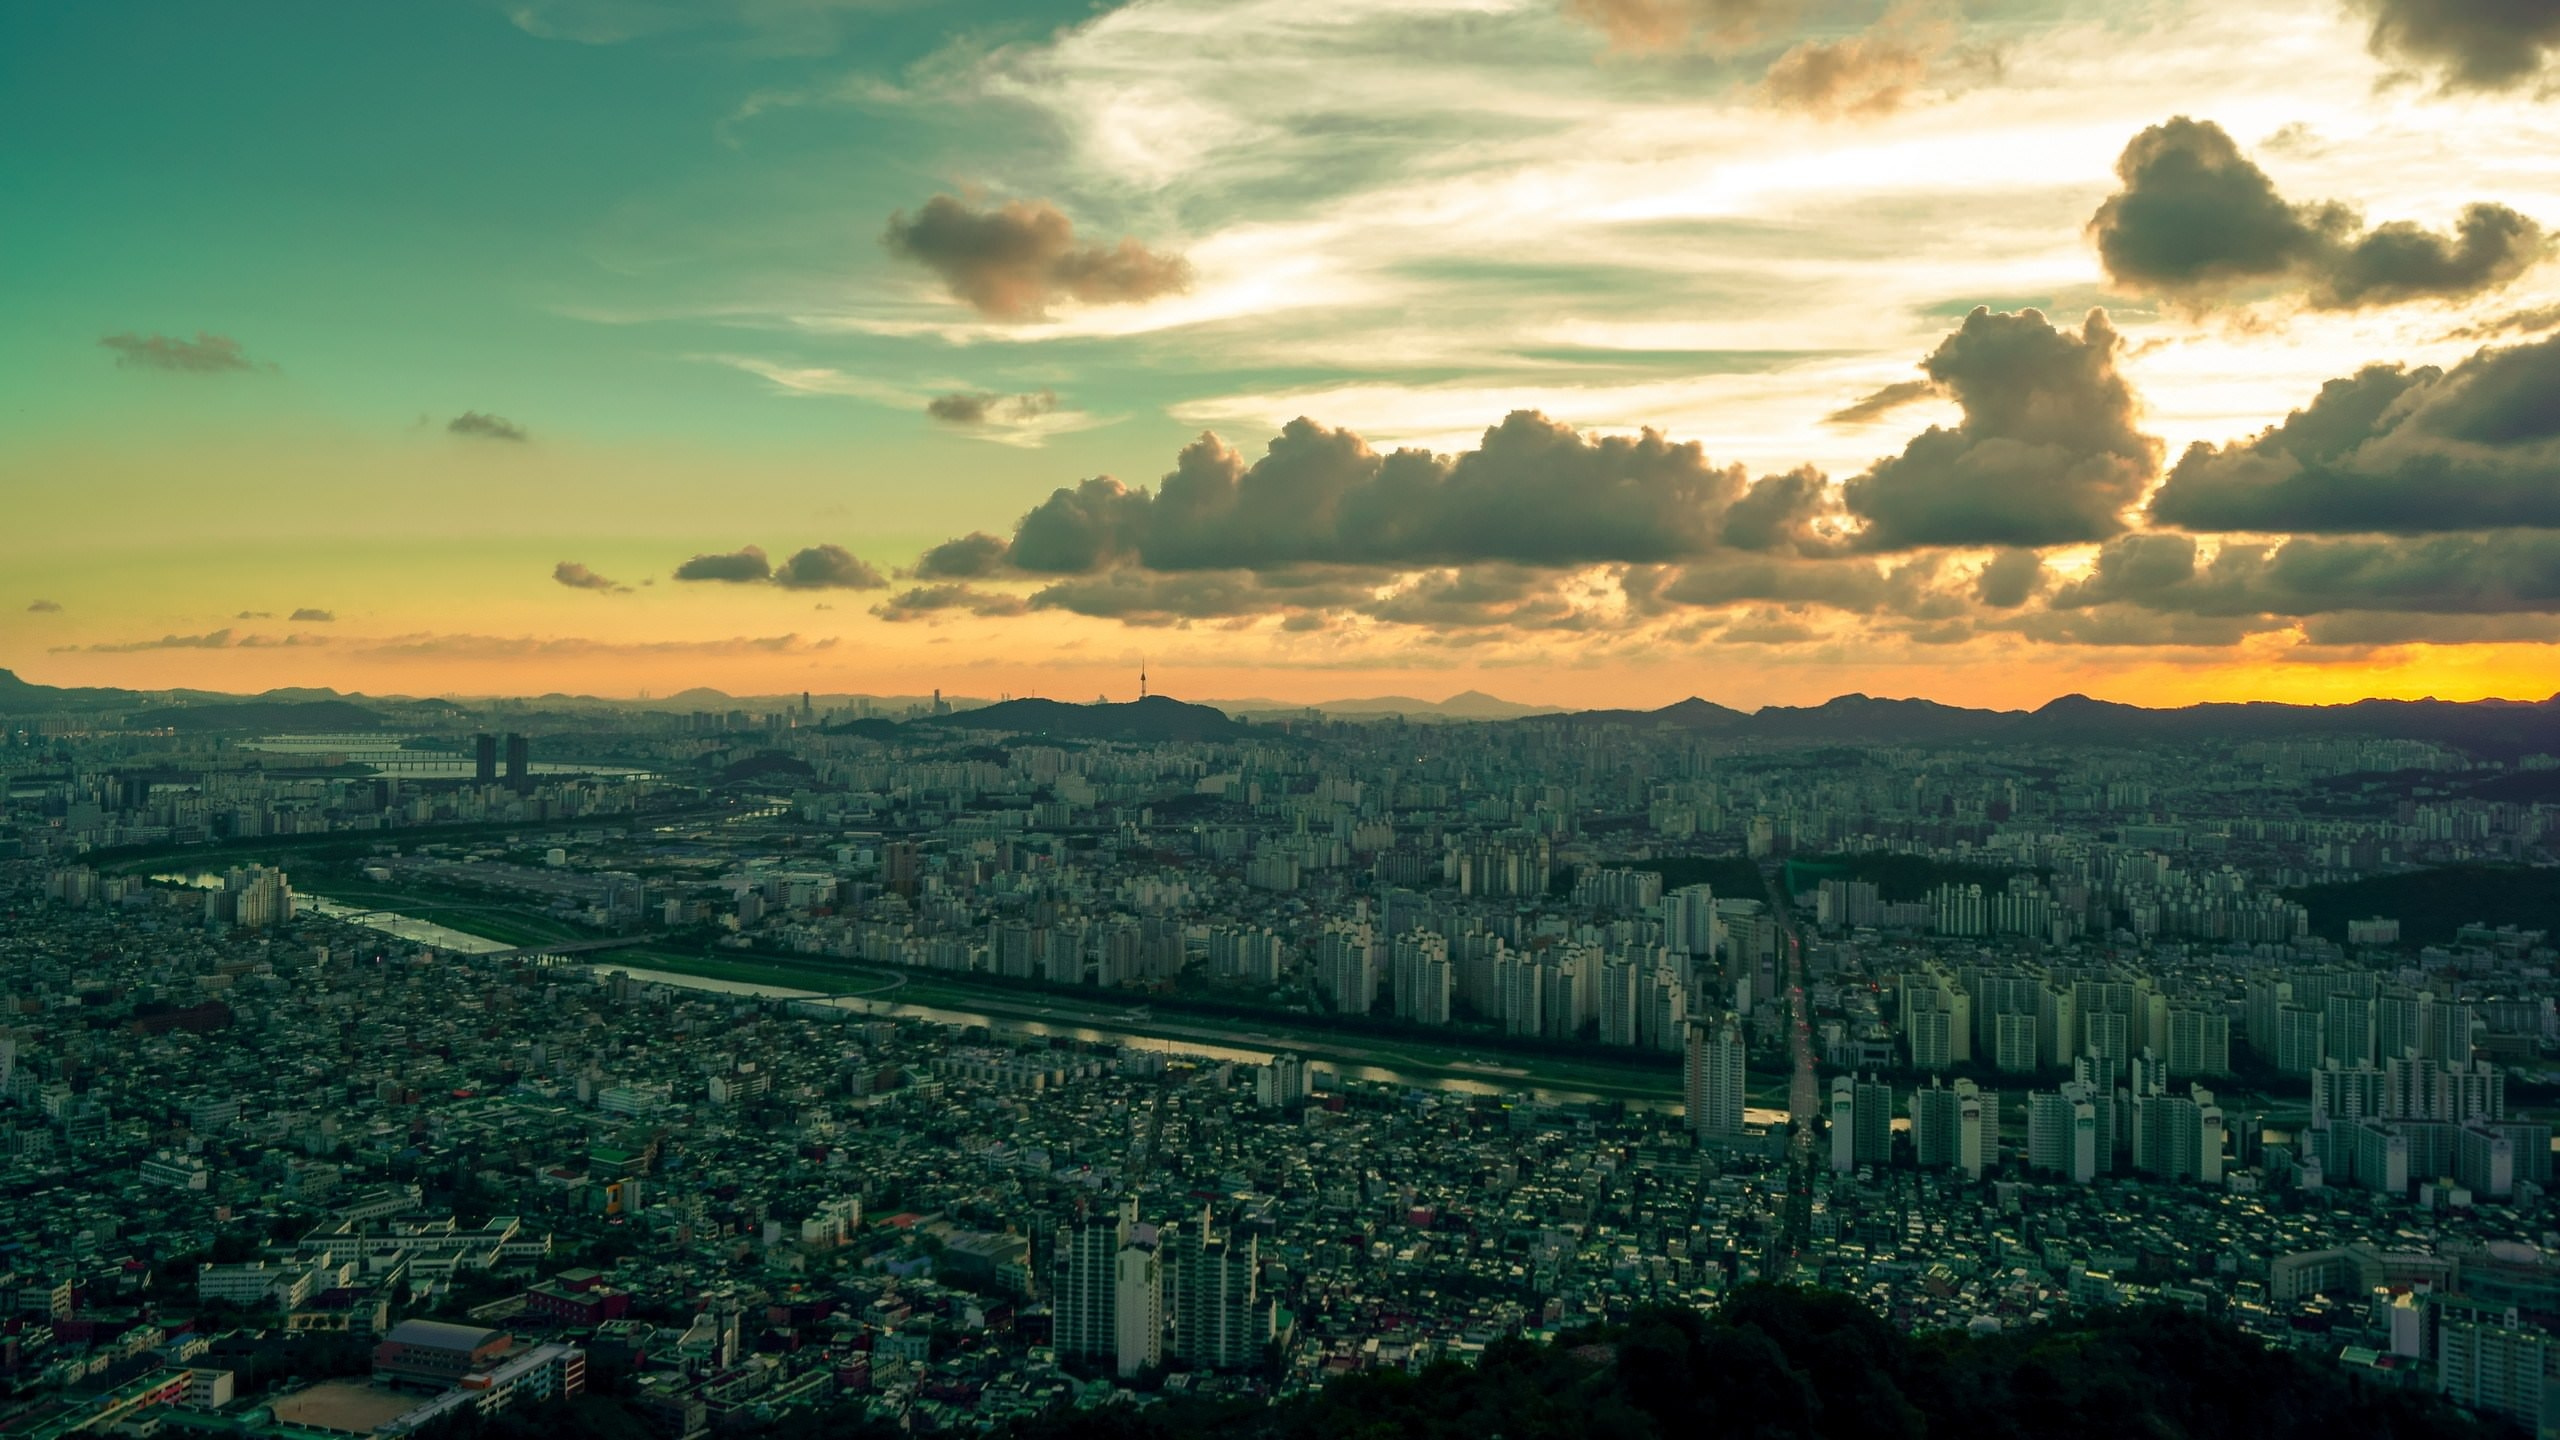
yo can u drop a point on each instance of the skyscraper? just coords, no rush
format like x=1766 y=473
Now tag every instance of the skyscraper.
x=484 y=749
x=1219 y=1319
x=519 y=764
x=1085 y=1286
x=1713 y=1079
x=1137 y=1308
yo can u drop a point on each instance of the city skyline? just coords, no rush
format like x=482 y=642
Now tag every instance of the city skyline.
x=1584 y=353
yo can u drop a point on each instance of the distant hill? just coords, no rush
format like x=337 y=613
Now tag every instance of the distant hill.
x=1157 y=717
x=17 y=697
x=1465 y=705
x=2495 y=728
x=323 y=717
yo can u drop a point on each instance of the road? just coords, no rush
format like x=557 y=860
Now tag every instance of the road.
x=1804 y=1087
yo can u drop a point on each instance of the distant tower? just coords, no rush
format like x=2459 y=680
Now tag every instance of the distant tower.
x=485 y=757
x=1142 y=678
x=520 y=764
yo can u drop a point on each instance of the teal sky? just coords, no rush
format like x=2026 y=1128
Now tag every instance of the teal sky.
x=648 y=235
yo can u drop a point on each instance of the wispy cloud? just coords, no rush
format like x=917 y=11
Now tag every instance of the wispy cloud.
x=204 y=355
x=478 y=426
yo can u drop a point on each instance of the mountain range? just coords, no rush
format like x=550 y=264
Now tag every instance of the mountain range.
x=2495 y=728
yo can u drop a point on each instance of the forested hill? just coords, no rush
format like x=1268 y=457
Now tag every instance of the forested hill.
x=1770 y=1364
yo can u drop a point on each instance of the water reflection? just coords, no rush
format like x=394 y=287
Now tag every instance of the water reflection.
x=1101 y=1034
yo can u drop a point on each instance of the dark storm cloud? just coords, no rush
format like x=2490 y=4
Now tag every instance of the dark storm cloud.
x=746 y=566
x=1883 y=402
x=477 y=426
x=204 y=355
x=2391 y=450
x=2047 y=453
x=579 y=577
x=925 y=602
x=2470 y=44
x=2010 y=579
x=1534 y=492
x=314 y=615
x=1013 y=262
x=973 y=556
x=972 y=408
x=2197 y=221
x=828 y=567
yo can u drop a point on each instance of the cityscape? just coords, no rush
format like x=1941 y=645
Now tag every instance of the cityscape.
x=1280 y=720
x=958 y=1062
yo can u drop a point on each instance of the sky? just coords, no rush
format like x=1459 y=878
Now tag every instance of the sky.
x=1585 y=352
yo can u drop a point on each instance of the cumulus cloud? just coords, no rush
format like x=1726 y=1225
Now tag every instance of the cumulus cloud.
x=1884 y=402
x=43 y=607
x=969 y=409
x=316 y=616
x=2048 y=452
x=2470 y=44
x=1795 y=511
x=827 y=567
x=2199 y=222
x=478 y=426
x=204 y=355
x=738 y=567
x=2009 y=579
x=579 y=577
x=926 y=602
x=1534 y=492
x=1015 y=261
x=973 y=556
x=2390 y=450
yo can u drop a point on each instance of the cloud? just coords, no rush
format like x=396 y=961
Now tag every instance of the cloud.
x=579 y=577
x=223 y=639
x=2532 y=320
x=255 y=615
x=1716 y=26
x=1884 y=402
x=827 y=567
x=2047 y=454
x=1534 y=491
x=322 y=617
x=2492 y=573
x=2390 y=450
x=1874 y=72
x=1140 y=597
x=2199 y=222
x=973 y=556
x=486 y=427
x=1795 y=511
x=530 y=647
x=744 y=566
x=2470 y=44
x=204 y=355
x=970 y=408
x=43 y=607
x=1015 y=261
x=2009 y=579
x=925 y=602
